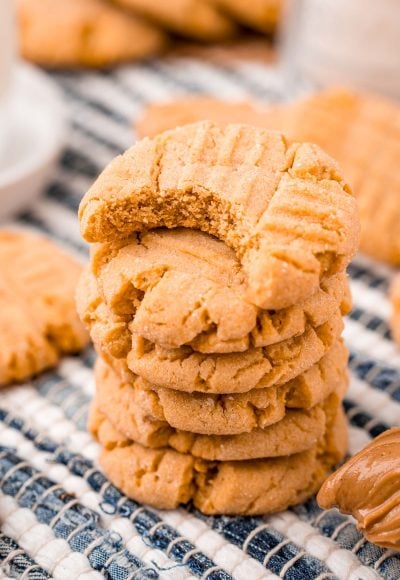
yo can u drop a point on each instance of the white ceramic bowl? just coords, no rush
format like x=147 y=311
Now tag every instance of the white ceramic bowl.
x=35 y=138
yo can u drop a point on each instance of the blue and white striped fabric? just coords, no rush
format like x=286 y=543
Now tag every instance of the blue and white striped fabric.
x=60 y=517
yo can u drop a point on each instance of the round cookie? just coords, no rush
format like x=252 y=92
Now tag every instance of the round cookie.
x=185 y=370
x=297 y=431
x=395 y=300
x=165 y=478
x=182 y=287
x=38 y=319
x=197 y=19
x=284 y=209
x=263 y=15
x=360 y=131
x=221 y=414
x=58 y=33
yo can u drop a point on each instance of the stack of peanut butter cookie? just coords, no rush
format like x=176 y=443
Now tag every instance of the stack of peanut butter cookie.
x=214 y=297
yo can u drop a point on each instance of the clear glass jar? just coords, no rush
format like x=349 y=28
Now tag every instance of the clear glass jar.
x=347 y=42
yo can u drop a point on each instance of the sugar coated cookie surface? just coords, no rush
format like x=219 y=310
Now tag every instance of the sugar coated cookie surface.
x=59 y=33
x=297 y=432
x=166 y=478
x=182 y=287
x=38 y=319
x=284 y=209
x=197 y=19
x=191 y=318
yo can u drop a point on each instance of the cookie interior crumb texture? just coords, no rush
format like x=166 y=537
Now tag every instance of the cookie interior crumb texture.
x=360 y=131
x=246 y=186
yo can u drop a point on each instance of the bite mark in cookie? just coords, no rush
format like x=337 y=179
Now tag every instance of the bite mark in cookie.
x=284 y=209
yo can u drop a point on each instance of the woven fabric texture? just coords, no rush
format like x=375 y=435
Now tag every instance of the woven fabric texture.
x=60 y=517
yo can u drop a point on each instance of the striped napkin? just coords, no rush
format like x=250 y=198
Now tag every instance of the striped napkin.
x=59 y=515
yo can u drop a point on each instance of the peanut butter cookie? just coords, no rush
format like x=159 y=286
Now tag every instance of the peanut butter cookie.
x=197 y=19
x=297 y=431
x=159 y=117
x=166 y=478
x=186 y=370
x=285 y=210
x=262 y=15
x=182 y=287
x=38 y=320
x=58 y=33
x=361 y=131
x=223 y=414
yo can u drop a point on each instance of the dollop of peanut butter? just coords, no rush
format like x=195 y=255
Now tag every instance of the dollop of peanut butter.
x=368 y=487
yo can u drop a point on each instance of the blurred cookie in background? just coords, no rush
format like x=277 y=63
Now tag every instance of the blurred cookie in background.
x=159 y=117
x=38 y=319
x=93 y=33
x=261 y=15
x=197 y=19
x=246 y=48
x=100 y=33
